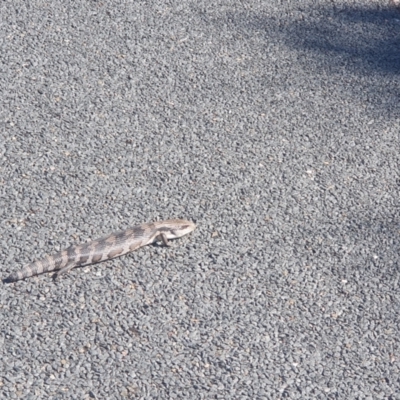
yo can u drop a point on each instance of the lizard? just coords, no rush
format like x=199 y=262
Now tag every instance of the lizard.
x=114 y=245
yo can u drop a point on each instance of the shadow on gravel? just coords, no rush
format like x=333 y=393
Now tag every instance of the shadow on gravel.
x=354 y=43
x=363 y=37
x=367 y=37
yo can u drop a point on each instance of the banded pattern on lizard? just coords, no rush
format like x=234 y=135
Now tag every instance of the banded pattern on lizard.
x=106 y=248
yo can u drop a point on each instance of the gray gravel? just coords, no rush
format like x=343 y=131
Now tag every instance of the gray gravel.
x=274 y=125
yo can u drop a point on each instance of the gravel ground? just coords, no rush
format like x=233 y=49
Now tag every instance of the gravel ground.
x=274 y=125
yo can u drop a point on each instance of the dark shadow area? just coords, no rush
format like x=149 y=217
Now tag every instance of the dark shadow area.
x=368 y=38
x=348 y=50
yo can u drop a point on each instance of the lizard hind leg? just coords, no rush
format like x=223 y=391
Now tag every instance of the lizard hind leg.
x=64 y=270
